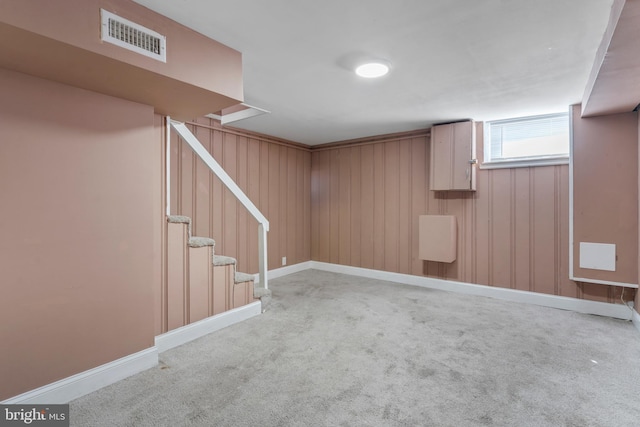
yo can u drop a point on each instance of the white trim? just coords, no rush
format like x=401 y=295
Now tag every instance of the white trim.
x=285 y=271
x=206 y=326
x=168 y=166
x=86 y=382
x=617 y=311
x=250 y=111
x=571 y=276
x=604 y=282
x=636 y=319
x=525 y=163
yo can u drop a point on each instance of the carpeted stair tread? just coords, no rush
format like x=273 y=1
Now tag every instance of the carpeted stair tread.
x=219 y=260
x=201 y=242
x=259 y=292
x=244 y=277
x=179 y=219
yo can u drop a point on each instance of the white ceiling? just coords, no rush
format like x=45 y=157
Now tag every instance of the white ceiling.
x=450 y=59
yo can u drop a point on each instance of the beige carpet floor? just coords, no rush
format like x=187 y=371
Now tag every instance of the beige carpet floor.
x=337 y=350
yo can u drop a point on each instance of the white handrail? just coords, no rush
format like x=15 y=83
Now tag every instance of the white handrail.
x=208 y=159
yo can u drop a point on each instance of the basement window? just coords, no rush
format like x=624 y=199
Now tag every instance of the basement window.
x=527 y=141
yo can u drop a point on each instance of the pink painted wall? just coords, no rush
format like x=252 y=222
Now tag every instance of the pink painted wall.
x=605 y=188
x=80 y=247
x=513 y=232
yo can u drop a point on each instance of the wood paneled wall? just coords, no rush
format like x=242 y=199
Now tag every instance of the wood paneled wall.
x=274 y=175
x=512 y=232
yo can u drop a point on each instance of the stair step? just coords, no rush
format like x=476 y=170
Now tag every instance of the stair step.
x=259 y=292
x=264 y=295
x=179 y=219
x=244 y=277
x=194 y=241
x=201 y=242
x=223 y=260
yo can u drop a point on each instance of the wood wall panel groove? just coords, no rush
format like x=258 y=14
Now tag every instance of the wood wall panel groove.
x=531 y=228
x=367 y=197
x=356 y=206
x=344 y=200
x=242 y=227
x=379 y=232
x=391 y=207
x=513 y=231
x=404 y=195
x=556 y=231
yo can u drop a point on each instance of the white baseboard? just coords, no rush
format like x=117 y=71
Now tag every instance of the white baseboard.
x=78 y=385
x=203 y=327
x=285 y=271
x=617 y=311
x=636 y=320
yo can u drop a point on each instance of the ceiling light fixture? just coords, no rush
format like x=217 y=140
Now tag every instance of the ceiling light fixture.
x=372 y=70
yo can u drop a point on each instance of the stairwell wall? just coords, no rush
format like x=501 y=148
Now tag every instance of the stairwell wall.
x=274 y=174
x=81 y=223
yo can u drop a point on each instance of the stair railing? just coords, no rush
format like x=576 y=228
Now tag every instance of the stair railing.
x=207 y=158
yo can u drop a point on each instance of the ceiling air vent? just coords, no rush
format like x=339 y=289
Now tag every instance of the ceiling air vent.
x=132 y=36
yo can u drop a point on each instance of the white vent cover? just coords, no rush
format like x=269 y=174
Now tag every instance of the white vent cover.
x=132 y=36
x=598 y=256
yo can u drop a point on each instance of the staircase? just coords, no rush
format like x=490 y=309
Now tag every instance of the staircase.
x=201 y=284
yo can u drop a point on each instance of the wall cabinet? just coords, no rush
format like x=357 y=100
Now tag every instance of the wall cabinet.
x=453 y=157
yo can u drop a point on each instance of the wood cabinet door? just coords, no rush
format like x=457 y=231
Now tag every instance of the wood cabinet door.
x=441 y=140
x=452 y=150
x=463 y=152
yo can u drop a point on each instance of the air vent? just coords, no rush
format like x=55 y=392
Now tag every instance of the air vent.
x=132 y=36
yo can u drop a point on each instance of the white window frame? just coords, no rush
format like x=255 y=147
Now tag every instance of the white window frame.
x=542 y=160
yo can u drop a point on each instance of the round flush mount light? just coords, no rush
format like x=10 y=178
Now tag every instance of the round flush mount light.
x=372 y=70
